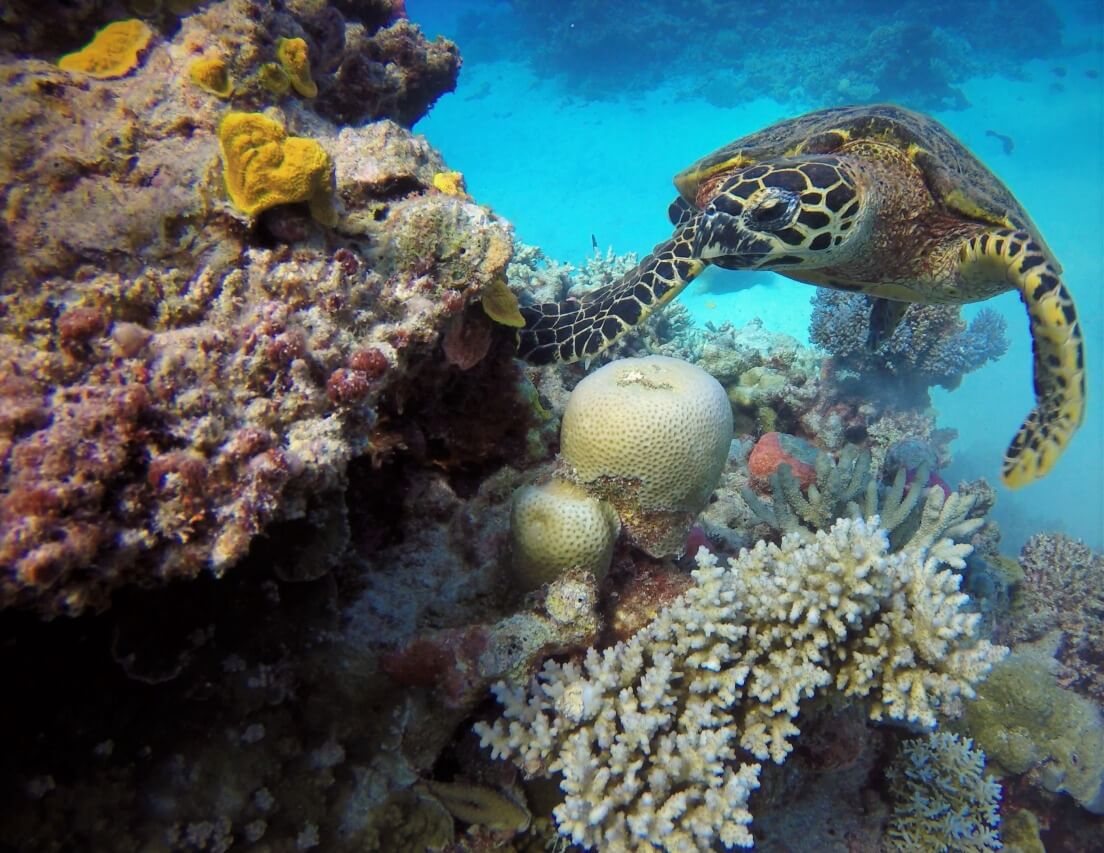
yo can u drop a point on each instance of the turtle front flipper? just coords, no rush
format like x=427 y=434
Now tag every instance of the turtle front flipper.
x=574 y=329
x=1057 y=343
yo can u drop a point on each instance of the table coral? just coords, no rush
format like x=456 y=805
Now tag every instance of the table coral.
x=114 y=52
x=264 y=167
x=647 y=733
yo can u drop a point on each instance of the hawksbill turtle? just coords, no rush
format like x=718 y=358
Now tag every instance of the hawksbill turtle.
x=874 y=199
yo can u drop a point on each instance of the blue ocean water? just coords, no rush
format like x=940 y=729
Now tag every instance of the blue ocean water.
x=576 y=136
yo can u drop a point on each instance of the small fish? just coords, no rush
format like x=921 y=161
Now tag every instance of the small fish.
x=594 y=242
x=711 y=305
x=1006 y=141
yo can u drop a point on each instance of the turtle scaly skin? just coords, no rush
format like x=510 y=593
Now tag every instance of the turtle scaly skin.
x=873 y=199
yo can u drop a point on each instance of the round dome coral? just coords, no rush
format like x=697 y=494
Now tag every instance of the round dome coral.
x=557 y=526
x=651 y=436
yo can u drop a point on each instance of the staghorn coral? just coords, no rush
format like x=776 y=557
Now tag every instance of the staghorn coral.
x=944 y=800
x=910 y=511
x=931 y=346
x=1062 y=588
x=114 y=52
x=646 y=734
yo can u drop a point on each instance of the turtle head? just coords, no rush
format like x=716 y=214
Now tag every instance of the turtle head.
x=789 y=214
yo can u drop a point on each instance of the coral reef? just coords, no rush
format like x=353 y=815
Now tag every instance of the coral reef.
x=1062 y=588
x=176 y=375
x=944 y=800
x=931 y=346
x=646 y=734
x=877 y=52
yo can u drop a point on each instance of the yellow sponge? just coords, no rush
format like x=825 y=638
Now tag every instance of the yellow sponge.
x=114 y=52
x=293 y=55
x=557 y=526
x=265 y=167
x=212 y=75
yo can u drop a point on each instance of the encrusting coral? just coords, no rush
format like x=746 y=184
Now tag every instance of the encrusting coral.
x=114 y=52
x=943 y=798
x=646 y=733
x=1028 y=724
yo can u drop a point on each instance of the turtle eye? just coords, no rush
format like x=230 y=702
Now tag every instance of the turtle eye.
x=773 y=210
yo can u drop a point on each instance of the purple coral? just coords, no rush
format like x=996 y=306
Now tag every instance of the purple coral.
x=931 y=346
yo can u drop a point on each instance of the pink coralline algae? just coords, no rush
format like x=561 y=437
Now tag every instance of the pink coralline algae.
x=176 y=376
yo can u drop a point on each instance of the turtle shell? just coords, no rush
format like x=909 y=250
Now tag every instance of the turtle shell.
x=958 y=180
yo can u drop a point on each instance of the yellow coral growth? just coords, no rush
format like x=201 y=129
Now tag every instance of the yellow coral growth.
x=265 y=167
x=501 y=305
x=211 y=75
x=292 y=55
x=274 y=78
x=450 y=183
x=112 y=53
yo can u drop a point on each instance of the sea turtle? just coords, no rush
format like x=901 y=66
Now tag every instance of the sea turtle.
x=875 y=199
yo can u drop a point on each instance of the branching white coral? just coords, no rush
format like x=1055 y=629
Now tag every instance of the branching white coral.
x=944 y=799
x=647 y=733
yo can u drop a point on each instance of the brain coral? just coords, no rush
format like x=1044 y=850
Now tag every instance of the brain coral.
x=650 y=435
x=558 y=526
